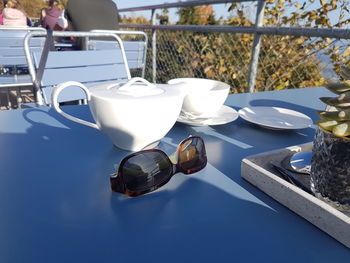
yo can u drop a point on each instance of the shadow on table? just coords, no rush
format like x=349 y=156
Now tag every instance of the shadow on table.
x=228 y=144
x=48 y=141
x=208 y=217
x=241 y=138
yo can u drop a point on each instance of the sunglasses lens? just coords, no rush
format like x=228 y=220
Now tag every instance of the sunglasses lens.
x=192 y=155
x=145 y=171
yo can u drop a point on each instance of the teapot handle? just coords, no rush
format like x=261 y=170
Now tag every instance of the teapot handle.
x=134 y=80
x=56 y=106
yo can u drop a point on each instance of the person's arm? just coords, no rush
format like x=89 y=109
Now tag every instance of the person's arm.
x=43 y=13
x=29 y=22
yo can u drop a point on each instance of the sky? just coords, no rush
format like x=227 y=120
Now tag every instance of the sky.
x=220 y=9
x=134 y=3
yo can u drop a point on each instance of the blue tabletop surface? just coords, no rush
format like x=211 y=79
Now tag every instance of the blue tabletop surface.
x=56 y=204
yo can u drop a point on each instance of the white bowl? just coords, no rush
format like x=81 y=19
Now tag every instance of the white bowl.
x=204 y=97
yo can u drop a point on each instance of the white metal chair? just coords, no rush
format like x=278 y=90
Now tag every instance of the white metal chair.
x=135 y=45
x=13 y=61
x=86 y=66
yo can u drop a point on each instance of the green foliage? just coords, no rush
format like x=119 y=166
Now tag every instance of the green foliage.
x=284 y=62
x=163 y=18
x=134 y=20
x=197 y=15
x=226 y=57
x=324 y=14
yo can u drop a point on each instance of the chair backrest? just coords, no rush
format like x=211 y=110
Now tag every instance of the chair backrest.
x=13 y=64
x=135 y=45
x=86 y=66
x=12 y=45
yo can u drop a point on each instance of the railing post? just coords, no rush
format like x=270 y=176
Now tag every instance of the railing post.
x=154 y=48
x=254 y=61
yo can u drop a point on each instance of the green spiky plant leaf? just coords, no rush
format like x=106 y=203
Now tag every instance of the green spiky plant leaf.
x=327 y=124
x=337 y=121
x=342 y=129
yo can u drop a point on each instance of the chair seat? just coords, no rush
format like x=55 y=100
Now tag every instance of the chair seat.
x=7 y=81
x=29 y=105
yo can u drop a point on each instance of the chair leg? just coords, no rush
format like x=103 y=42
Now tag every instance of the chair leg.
x=8 y=99
x=19 y=101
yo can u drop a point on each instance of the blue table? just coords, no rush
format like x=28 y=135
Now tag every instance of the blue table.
x=56 y=204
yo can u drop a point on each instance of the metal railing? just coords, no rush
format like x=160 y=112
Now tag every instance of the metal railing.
x=181 y=4
x=258 y=30
x=255 y=63
x=36 y=73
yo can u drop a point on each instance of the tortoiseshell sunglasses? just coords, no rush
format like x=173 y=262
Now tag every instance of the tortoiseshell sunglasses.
x=145 y=171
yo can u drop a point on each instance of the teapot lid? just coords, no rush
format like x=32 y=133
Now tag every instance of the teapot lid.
x=135 y=87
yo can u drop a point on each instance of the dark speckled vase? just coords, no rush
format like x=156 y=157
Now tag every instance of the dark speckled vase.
x=330 y=169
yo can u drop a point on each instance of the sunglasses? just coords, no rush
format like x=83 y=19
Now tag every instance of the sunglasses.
x=145 y=171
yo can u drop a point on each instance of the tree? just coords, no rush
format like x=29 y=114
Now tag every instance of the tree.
x=164 y=17
x=321 y=14
x=134 y=20
x=284 y=61
x=226 y=57
x=33 y=7
x=197 y=15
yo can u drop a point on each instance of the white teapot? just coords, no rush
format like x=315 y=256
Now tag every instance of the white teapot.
x=135 y=116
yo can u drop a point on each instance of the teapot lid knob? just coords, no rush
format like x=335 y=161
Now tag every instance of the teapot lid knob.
x=137 y=87
x=134 y=80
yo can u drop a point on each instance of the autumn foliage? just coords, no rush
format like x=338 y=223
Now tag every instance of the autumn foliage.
x=284 y=62
x=33 y=7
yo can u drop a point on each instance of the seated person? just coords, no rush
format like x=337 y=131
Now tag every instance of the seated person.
x=50 y=15
x=29 y=22
x=86 y=15
x=62 y=22
x=13 y=14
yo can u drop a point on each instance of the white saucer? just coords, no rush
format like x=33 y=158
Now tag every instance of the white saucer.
x=275 y=117
x=222 y=116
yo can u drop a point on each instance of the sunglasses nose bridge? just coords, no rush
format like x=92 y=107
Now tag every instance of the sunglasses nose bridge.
x=176 y=168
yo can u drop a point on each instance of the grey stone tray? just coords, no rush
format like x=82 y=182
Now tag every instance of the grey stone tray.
x=257 y=170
